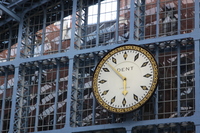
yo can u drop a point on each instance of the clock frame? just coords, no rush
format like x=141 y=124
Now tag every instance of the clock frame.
x=131 y=65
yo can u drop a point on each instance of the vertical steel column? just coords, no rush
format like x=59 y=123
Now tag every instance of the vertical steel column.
x=78 y=94
x=129 y=129
x=178 y=127
x=32 y=47
x=132 y=20
x=197 y=14
x=197 y=128
x=156 y=92
x=70 y=70
x=137 y=20
x=9 y=44
x=3 y=99
x=98 y=22
x=142 y=23
x=73 y=25
x=197 y=84
x=117 y=21
x=85 y=31
x=74 y=96
x=197 y=56
x=69 y=92
x=56 y=94
x=26 y=47
x=27 y=98
x=78 y=27
x=94 y=100
x=38 y=97
x=178 y=80
x=43 y=30
x=61 y=26
x=155 y=129
x=197 y=63
x=14 y=118
x=157 y=17
x=14 y=111
x=22 y=100
x=179 y=17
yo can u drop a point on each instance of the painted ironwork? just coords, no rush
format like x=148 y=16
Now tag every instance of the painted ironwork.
x=49 y=54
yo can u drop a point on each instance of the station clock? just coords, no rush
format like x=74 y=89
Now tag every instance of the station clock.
x=125 y=78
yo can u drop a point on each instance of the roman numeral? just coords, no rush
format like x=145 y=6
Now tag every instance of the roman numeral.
x=144 y=87
x=144 y=64
x=135 y=97
x=147 y=75
x=102 y=81
x=114 y=60
x=125 y=55
x=124 y=102
x=105 y=92
x=136 y=57
x=106 y=70
x=112 y=100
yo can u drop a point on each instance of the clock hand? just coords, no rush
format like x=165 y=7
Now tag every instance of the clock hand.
x=124 y=92
x=118 y=73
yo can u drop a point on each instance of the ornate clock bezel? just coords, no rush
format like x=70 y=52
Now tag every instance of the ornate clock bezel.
x=152 y=89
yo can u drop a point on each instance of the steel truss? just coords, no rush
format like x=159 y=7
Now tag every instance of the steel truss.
x=74 y=60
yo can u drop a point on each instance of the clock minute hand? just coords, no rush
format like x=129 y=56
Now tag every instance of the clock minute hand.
x=118 y=73
x=124 y=92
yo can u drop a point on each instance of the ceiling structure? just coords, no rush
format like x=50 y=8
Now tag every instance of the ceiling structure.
x=13 y=10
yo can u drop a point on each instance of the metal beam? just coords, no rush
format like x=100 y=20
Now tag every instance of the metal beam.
x=35 y=5
x=9 y=12
x=25 y=11
x=17 y=2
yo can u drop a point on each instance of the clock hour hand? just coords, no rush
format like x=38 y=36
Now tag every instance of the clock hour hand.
x=124 y=92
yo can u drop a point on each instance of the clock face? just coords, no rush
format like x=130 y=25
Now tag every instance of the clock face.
x=125 y=78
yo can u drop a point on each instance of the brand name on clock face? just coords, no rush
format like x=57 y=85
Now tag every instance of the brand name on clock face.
x=124 y=69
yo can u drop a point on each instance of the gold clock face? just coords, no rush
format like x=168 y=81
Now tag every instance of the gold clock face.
x=125 y=78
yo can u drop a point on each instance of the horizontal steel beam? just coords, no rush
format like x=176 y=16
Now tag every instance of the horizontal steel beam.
x=9 y=12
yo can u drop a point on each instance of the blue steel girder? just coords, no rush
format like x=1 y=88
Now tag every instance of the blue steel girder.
x=16 y=2
x=9 y=12
x=36 y=4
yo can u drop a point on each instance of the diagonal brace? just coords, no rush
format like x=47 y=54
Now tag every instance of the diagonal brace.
x=9 y=12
